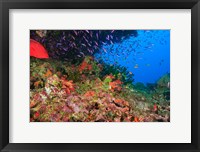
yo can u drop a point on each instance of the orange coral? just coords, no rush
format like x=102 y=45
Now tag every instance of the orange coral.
x=118 y=101
x=36 y=84
x=122 y=103
x=89 y=93
x=32 y=103
x=85 y=66
x=48 y=73
x=136 y=119
x=110 y=76
x=67 y=85
x=115 y=85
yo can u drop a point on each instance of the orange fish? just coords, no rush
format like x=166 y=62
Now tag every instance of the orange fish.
x=37 y=50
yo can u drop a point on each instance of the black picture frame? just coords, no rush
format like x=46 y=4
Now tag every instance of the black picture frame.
x=5 y=5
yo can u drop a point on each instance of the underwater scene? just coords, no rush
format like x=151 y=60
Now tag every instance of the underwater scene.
x=100 y=75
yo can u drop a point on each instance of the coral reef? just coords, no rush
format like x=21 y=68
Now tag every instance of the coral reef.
x=87 y=92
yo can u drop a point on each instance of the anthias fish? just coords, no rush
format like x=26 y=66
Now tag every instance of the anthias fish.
x=37 y=50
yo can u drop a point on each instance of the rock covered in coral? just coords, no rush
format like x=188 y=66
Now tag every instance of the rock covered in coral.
x=62 y=92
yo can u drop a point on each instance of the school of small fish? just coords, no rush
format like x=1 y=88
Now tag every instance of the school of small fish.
x=109 y=46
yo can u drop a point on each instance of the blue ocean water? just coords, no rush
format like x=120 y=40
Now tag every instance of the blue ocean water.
x=146 y=55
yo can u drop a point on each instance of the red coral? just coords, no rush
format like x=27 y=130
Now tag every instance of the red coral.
x=36 y=115
x=155 y=108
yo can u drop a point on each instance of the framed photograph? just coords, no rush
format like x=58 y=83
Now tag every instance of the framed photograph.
x=99 y=75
